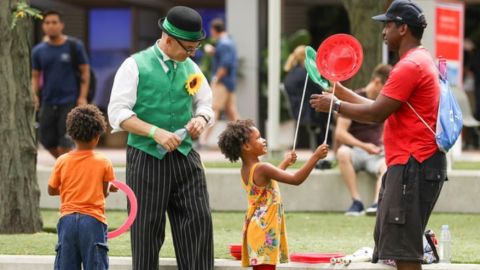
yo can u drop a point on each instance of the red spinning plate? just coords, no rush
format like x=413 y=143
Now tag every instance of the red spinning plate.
x=315 y=257
x=339 y=57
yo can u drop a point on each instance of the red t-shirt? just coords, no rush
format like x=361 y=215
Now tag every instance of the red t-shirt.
x=414 y=79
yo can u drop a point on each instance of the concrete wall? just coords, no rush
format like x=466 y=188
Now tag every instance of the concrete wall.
x=323 y=191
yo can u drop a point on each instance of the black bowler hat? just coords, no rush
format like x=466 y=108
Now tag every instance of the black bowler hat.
x=403 y=11
x=183 y=23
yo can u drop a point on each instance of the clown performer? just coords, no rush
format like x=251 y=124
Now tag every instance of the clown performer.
x=156 y=92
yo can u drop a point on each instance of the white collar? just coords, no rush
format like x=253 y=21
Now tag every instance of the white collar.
x=164 y=57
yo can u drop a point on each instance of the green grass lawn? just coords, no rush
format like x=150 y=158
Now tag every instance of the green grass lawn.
x=466 y=165
x=307 y=232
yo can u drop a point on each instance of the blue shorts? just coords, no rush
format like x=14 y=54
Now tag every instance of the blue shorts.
x=82 y=239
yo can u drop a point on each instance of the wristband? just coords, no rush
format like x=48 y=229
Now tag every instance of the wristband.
x=152 y=131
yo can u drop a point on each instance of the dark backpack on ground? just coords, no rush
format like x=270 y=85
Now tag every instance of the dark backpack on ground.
x=93 y=81
x=430 y=254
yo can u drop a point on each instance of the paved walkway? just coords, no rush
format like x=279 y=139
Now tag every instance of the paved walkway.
x=8 y=262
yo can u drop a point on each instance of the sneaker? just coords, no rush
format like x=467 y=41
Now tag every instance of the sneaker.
x=323 y=164
x=356 y=209
x=372 y=210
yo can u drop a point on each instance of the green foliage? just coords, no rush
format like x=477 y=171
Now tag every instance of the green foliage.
x=300 y=37
x=206 y=60
x=287 y=45
x=23 y=10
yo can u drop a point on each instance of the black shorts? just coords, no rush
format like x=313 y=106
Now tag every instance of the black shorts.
x=52 y=121
x=407 y=197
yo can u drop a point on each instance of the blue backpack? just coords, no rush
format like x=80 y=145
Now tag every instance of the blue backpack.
x=449 y=118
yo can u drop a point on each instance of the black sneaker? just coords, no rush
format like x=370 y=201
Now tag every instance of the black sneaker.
x=356 y=209
x=323 y=164
x=372 y=210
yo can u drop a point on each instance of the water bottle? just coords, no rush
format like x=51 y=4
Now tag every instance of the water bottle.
x=442 y=68
x=445 y=245
x=182 y=133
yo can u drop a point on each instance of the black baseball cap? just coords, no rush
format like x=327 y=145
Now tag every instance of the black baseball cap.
x=403 y=11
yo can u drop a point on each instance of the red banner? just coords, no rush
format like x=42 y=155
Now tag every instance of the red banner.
x=449 y=32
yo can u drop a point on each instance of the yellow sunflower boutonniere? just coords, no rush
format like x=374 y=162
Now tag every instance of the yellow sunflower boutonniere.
x=193 y=83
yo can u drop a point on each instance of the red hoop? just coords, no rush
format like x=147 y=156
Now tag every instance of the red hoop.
x=133 y=209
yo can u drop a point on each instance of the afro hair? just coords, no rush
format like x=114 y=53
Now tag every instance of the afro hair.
x=84 y=123
x=234 y=137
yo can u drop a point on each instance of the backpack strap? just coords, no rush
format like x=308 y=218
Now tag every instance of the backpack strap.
x=421 y=119
x=74 y=57
x=73 y=52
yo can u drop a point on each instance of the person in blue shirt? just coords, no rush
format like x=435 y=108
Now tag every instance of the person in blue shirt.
x=224 y=72
x=62 y=88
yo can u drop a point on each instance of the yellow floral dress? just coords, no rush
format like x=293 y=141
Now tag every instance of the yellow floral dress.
x=264 y=230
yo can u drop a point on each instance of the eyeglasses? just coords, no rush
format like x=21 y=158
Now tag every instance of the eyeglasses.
x=190 y=50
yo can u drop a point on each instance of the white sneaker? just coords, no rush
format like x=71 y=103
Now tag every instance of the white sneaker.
x=372 y=210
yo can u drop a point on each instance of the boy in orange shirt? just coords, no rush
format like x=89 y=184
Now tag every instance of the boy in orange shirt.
x=81 y=178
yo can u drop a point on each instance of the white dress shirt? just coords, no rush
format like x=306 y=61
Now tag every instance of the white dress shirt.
x=124 y=93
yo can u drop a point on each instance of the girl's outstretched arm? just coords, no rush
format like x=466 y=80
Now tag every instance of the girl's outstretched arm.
x=266 y=171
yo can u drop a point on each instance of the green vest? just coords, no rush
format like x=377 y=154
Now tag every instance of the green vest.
x=160 y=101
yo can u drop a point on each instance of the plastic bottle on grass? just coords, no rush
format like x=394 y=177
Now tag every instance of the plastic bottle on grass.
x=445 y=245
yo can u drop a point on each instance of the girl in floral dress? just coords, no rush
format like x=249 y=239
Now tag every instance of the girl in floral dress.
x=264 y=231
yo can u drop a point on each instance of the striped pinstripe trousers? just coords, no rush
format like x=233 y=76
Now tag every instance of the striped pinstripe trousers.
x=175 y=185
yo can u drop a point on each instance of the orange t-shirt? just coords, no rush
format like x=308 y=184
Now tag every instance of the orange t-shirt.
x=80 y=176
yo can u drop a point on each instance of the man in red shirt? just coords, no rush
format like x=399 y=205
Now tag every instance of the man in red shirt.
x=416 y=168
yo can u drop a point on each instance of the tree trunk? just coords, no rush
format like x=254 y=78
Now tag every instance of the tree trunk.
x=368 y=32
x=19 y=191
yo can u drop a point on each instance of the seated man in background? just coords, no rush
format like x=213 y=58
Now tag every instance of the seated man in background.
x=362 y=146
